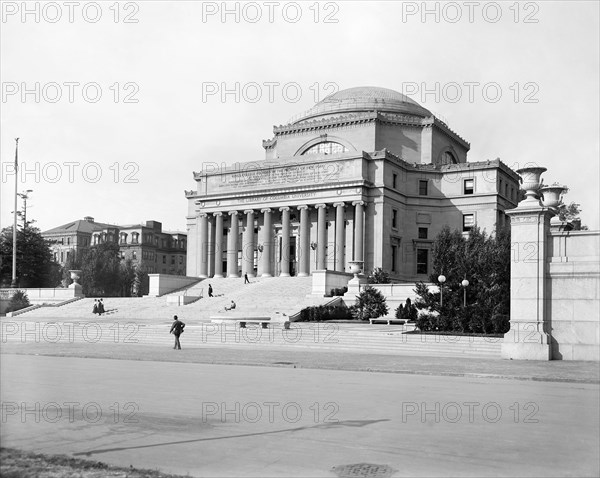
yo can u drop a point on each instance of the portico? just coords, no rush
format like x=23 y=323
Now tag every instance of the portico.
x=281 y=240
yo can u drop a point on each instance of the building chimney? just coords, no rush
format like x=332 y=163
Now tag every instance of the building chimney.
x=89 y=218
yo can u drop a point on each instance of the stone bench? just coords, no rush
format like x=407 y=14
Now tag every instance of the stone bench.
x=243 y=321
x=387 y=321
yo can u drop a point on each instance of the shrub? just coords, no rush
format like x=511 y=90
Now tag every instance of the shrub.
x=407 y=312
x=321 y=313
x=338 y=292
x=500 y=323
x=18 y=301
x=378 y=276
x=426 y=322
x=370 y=304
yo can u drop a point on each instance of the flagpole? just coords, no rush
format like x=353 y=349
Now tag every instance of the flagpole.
x=14 y=257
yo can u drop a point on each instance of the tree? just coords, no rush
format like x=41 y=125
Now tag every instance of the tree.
x=35 y=263
x=378 y=276
x=571 y=213
x=485 y=262
x=101 y=270
x=370 y=304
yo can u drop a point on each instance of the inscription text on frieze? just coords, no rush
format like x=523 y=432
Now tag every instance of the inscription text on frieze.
x=311 y=173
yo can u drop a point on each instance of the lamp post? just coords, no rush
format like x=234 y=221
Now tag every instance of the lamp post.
x=13 y=282
x=441 y=280
x=465 y=284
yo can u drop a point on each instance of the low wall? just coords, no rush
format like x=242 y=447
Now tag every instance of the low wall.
x=323 y=281
x=39 y=296
x=161 y=284
x=573 y=295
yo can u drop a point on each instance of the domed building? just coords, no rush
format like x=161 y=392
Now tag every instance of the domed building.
x=367 y=175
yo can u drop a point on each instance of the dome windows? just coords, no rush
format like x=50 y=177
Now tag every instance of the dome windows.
x=326 y=147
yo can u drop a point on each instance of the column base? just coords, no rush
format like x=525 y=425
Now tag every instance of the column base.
x=526 y=345
x=232 y=276
x=203 y=276
x=266 y=274
x=284 y=274
x=218 y=276
x=303 y=274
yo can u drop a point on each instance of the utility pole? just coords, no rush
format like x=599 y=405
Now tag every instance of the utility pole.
x=25 y=197
x=13 y=283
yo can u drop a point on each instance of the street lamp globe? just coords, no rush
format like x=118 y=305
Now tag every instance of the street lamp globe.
x=441 y=279
x=465 y=283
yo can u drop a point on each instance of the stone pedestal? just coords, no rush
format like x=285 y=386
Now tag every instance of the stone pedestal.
x=528 y=337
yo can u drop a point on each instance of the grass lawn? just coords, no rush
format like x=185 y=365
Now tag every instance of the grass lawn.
x=19 y=464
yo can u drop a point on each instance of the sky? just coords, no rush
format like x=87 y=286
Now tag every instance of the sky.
x=116 y=104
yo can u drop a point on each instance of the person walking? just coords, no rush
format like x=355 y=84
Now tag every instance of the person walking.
x=100 y=307
x=95 y=309
x=210 y=291
x=177 y=330
x=246 y=281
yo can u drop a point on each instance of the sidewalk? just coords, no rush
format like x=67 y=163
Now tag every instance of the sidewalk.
x=552 y=371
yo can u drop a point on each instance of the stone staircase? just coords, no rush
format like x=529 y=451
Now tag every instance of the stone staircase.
x=273 y=297
x=357 y=338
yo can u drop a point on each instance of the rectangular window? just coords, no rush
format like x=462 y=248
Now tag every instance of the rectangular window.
x=469 y=186
x=423 y=185
x=422 y=261
x=394 y=255
x=181 y=259
x=134 y=255
x=164 y=259
x=423 y=233
x=394 y=219
x=395 y=181
x=506 y=190
x=172 y=260
x=468 y=222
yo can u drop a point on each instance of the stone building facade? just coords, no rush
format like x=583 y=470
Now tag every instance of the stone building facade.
x=147 y=245
x=365 y=175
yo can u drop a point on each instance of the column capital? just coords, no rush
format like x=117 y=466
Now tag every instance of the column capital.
x=284 y=208
x=302 y=206
x=318 y=206
x=248 y=211
x=339 y=204
x=217 y=213
x=358 y=203
x=231 y=213
x=265 y=210
x=203 y=214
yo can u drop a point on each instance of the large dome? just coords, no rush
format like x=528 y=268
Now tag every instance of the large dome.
x=364 y=98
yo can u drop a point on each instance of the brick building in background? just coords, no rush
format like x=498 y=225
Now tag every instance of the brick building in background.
x=147 y=245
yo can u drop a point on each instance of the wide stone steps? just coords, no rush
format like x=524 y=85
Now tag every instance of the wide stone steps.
x=272 y=297
x=317 y=336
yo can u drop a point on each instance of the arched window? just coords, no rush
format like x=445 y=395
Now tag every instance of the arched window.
x=327 y=147
x=449 y=158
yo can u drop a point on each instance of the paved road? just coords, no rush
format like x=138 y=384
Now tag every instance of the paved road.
x=223 y=420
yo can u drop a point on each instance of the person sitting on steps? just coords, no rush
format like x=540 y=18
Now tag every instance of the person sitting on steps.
x=232 y=306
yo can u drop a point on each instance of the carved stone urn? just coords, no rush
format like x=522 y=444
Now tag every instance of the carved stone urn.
x=75 y=275
x=552 y=195
x=356 y=268
x=531 y=181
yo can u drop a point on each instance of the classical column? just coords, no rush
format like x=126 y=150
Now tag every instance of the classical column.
x=203 y=238
x=218 y=245
x=339 y=236
x=321 y=236
x=304 y=249
x=248 y=244
x=211 y=246
x=232 y=250
x=267 y=252
x=359 y=230
x=285 y=242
